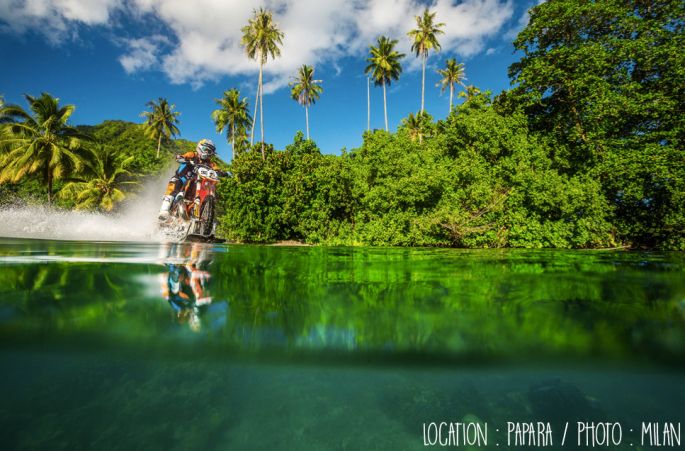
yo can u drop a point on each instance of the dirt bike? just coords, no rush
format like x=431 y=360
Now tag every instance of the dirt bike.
x=192 y=212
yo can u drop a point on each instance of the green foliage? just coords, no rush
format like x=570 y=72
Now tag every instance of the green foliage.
x=604 y=79
x=469 y=92
x=100 y=184
x=130 y=139
x=28 y=191
x=293 y=194
x=417 y=125
x=477 y=179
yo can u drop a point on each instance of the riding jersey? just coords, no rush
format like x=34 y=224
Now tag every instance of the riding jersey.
x=185 y=169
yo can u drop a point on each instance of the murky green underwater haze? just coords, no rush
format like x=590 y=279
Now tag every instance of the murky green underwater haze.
x=197 y=346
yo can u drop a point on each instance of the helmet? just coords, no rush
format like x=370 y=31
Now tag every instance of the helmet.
x=205 y=148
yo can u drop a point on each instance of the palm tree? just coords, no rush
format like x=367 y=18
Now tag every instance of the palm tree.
x=234 y=116
x=161 y=121
x=452 y=74
x=261 y=38
x=417 y=125
x=470 y=93
x=101 y=183
x=41 y=142
x=384 y=66
x=3 y=118
x=306 y=91
x=424 y=38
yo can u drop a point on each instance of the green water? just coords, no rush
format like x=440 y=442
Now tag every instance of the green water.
x=149 y=346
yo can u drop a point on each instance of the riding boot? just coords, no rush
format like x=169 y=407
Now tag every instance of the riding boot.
x=164 y=209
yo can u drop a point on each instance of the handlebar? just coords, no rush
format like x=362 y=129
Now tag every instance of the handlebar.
x=195 y=164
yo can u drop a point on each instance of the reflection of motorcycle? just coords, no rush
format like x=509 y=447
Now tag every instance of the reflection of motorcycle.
x=192 y=212
x=186 y=283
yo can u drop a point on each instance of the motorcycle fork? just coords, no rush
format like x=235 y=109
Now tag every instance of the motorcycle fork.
x=197 y=202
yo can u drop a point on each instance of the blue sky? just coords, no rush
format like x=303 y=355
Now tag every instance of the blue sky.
x=109 y=57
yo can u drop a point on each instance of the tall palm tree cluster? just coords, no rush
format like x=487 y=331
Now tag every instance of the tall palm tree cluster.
x=262 y=40
x=384 y=66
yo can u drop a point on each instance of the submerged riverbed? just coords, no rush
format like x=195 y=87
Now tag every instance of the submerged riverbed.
x=194 y=346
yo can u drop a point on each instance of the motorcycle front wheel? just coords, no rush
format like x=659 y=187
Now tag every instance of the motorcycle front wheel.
x=207 y=217
x=179 y=225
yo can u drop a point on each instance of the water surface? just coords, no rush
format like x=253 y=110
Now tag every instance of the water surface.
x=122 y=345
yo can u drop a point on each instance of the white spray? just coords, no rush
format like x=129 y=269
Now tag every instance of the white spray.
x=137 y=220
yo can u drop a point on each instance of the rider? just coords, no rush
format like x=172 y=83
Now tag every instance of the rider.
x=203 y=154
x=186 y=281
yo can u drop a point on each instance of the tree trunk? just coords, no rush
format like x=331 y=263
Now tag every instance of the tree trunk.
x=385 y=107
x=254 y=117
x=256 y=100
x=451 y=94
x=233 y=139
x=159 y=144
x=49 y=186
x=423 y=80
x=368 y=103
x=261 y=109
x=306 y=115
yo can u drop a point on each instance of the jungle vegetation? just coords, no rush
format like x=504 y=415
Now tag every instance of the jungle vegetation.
x=101 y=165
x=584 y=151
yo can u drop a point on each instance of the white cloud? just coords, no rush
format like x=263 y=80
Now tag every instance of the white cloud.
x=206 y=33
x=142 y=53
x=470 y=22
x=54 y=17
x=90 y=12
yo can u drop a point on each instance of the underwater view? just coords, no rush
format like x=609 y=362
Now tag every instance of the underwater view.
x=215 y=346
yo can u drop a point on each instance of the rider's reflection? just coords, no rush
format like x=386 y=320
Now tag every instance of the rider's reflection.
x=186 y=285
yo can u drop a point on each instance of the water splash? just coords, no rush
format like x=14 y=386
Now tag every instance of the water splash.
x=137 y=221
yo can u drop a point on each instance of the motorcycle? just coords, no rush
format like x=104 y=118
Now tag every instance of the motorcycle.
x=192 y=212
